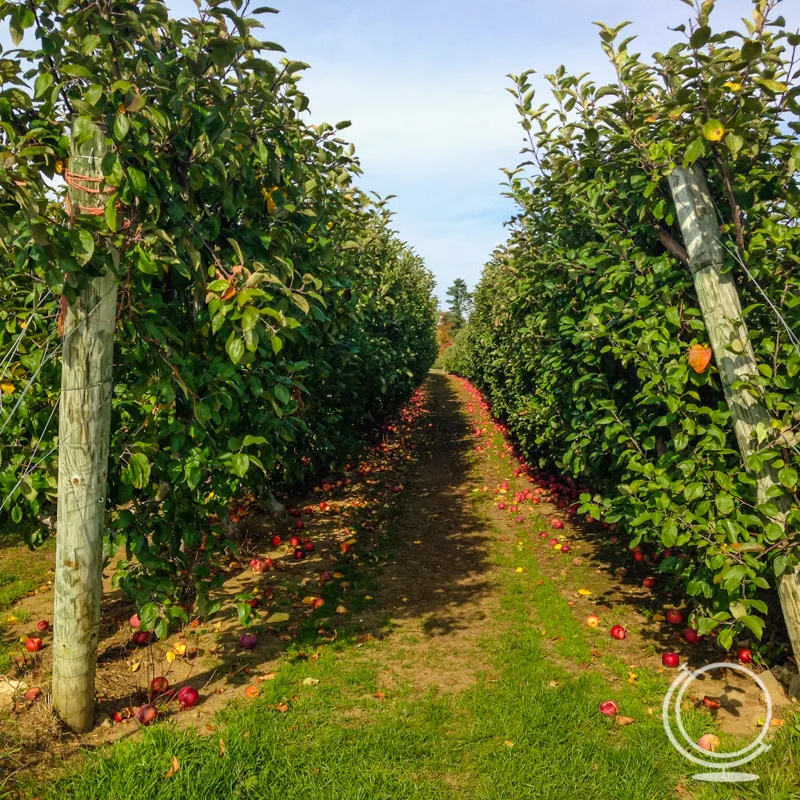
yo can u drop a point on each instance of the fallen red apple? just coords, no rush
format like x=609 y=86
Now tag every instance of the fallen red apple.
x=33 y=694
x=670 y=660
x=299 y=524
x=543 y=535
x=299 y=552
x=618 y=632
x=691 y=636
x=708 y=741
x=674 y=616
x=33 y=644
x=397 y=489
x=557 y=524
x=638 y=556
x=294 y=541
x=318 y=602
x=159 y=685
x=134 y=621
x=253 y=602
x=146 y=714
x=711 y=702
x=308 y=547
x=276 y=541
x=501 y=506
x=248 y=641
x=592 y=620
x=188 y=697
x=745 y=655
x=142 y=638
x=42 y=625
x=565 y=548
x=608 y=708
x=649 y=582
x=552 y=542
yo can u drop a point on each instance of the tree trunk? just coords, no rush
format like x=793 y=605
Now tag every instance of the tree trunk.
x=727 y=332
x=83 y=439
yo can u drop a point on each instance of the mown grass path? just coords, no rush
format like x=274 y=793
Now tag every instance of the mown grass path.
x=472 y=677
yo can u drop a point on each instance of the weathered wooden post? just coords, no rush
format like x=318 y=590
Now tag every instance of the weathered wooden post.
x=83 y=440
x=727 y=332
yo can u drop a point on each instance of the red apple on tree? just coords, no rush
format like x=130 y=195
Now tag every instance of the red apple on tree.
x=691 y=636
x=745 y=655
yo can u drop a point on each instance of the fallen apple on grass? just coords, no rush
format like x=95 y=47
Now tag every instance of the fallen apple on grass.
x=592 y=620
x=709 y=741
x=608 y=708
x=134 y=621
x=557 y=524
x=618 y=632
x=276 y=541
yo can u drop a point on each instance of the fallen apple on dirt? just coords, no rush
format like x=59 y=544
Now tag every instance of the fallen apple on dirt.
x=146 y=714
x=618 y=632
x=188 y=697
x=592 y=620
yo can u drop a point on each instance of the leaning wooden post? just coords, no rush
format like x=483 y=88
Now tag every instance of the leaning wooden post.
x=727 y=332
x=83 y=440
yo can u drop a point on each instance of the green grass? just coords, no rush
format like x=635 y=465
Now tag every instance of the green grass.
x=531 y=730
x=21 y=571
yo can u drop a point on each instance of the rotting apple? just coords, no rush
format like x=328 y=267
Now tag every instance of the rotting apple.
x=608 y=708
x=159 y=685
x=146 y=714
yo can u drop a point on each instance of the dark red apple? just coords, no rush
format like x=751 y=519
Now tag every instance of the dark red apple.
x=42 y=625
x=618 y=632
x=557 y=524
x=649 y=582
x=188 y=697
x=142 y=638
x=248 y=641
x=299 y=553
x=309 y=547
x=159 y=685
x=691 y=636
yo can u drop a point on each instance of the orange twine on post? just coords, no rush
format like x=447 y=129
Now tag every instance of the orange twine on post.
x=83 y=184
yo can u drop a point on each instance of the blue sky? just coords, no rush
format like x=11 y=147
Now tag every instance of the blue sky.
x=423 y=82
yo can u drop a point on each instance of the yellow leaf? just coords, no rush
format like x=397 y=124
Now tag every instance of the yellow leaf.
x=173 y=769
x=714 y=133
x=508 y=743
x=222 y=749
x=520 y=569
x=179 y=648
x=338 y=575
x=632 y=676
x=368 y=597
x=23 y=639
x=341 y=610
x=658 y=617
x=733 y=86
x=12 y=620
x=584 y=592
x=310 y=681
x=135 y=666
x=8 y=388
x=624 y=720
x=279 y=617
x=170 y=657
x=308 y=600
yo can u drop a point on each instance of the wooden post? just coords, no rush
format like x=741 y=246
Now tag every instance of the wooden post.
x=727 y=332
x=83 y=439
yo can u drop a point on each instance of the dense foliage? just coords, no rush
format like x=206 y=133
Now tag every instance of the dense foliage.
x=268 y=314
x=583 y=321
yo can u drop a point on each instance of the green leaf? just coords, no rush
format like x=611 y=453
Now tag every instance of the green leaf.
x=725 y=638
x=121 y=126
x=137 y=472
x=239 y=464
x=250 y=317
x=110 y=213
x=694 y=151
x=82 y=243
x=788 y=478
x=755 y=624
x=137 y=180
x=771 y=85
x=235 y=349
x=724 y=503
x=42 y=84
x=282 y=393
